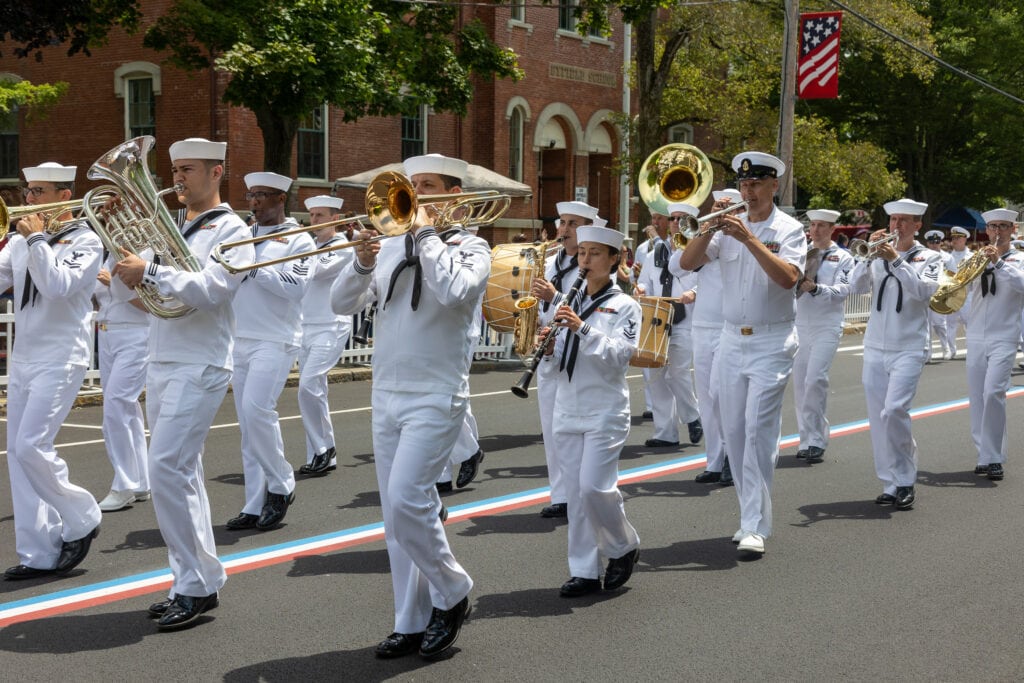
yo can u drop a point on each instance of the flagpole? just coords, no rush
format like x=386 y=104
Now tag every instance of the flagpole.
x=787 y=105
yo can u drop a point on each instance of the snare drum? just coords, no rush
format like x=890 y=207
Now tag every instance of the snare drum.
x=652 y=347
x=513 y=268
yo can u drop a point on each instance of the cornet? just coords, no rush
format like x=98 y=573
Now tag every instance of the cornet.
x=693 y=225
x=862 y=250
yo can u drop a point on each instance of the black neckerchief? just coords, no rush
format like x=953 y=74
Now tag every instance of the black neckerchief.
x=888 y=274
x=411 y=260
x=988 y=282
x=29 y=292
x=572 y=344
x=560 y=274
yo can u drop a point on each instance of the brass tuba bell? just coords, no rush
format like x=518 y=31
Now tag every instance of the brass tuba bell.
x=675 y=173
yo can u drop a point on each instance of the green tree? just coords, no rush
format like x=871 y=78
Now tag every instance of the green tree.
x=365 y=57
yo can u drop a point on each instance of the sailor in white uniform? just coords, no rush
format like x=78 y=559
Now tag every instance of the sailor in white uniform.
x=958 y=253
x=123 y=340
x=821 y=301
x=53 y=274
x=561 y=271
x=671 y=386
x=902 y=279
x=324 y=335
x=762 y=255
x=938 y=323
x=993 y=331
x=187 y=378
x=591 y=415
x=706 y=329
x=428 y=284
x=268 y=334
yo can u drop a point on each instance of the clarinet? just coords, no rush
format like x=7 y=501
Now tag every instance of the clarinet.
x=362 y=335
x=522 y=387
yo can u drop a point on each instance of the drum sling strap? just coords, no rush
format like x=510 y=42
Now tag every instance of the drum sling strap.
x=572 y=344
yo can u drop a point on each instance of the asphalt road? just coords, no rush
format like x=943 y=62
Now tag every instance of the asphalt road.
x=847 y=590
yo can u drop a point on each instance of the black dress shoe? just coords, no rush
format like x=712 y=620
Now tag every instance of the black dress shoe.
x=981 y=470
x=801 y=454
x=398 y=645
x=184 y=610
x=73 y=552
x=20 y=572
x=158 y=609
x=815 y=454
x=243 y=521
x=995 y=471
x=443 y=629
x=647 y=415
x=660 y=443
x=576 y=587
x=320 y=464
x=555 y=510
x=726 y=479
x=444 y=486
x=708 y=477
x=696 y=431
x=467 y=471
x=443 y=514
x=904 y=497
x=274 y=509
x=620 y=569
x=885 y=499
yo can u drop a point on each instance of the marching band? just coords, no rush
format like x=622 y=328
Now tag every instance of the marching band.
x=722 y=363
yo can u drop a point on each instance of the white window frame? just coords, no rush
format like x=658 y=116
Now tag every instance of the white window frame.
x=324 y=117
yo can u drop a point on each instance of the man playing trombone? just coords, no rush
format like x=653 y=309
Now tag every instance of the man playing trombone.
x=902 y=276
x=762 y=254
x=429 y=284
x=53 y=274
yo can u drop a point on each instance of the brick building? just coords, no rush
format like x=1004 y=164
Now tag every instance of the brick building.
x=550 y=130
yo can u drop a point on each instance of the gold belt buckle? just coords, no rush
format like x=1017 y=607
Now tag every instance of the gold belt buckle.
x=103 y=326
x=746 y=331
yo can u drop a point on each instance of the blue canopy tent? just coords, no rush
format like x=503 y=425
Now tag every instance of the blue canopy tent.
x=961 y=216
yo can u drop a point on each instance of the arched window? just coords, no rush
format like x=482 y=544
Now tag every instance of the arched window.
x=138 y=83
x=515 y=144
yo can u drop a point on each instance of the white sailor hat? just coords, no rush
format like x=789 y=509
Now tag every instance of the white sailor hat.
x=728 y=193
x=198 y=148
x=682 y=207
x=576 y=209
x=957 y=231
x=50 y=172
x=1017 y=244
x=268 y=179
x=905 y=206
x=600 y=222
x=325 y=201
x=1000 y=215
x=933 y=236
x=593 y=233
x=436 y=163
x=826 y=215
x=750 y=165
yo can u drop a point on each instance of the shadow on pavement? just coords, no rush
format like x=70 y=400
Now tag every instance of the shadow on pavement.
x=343 y=562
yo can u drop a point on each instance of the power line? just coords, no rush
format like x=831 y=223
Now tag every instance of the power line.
x=946 y=65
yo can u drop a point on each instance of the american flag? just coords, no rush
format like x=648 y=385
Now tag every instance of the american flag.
x=818 y=70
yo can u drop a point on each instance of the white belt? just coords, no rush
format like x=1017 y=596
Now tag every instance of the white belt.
x=764 y=328
x=120 y=326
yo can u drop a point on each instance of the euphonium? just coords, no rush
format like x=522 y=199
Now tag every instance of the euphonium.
x=525 y=330
x=129 y=214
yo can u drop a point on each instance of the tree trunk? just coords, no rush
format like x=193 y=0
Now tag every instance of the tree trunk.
x=278 y=137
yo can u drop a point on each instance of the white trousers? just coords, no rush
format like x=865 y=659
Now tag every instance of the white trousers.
x=597 y=516
x=939 y=325
x=955 y=319
x=412 y=437
x=811 y=366
x=321 y=350
x=467 y=443
x=48 y=508
x=988 y=378
x=890 y=382
x=671 y=386
x=261 y=369
x=547 y=385
x=181 y=403
x=123 y=354
x=752 y=373
x=705 y=373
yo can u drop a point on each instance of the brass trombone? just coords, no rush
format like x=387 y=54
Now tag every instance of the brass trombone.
x=51 y=213
x=391 y=206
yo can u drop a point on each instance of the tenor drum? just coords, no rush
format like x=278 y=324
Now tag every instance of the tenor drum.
x=513 y=268
x=652 y=347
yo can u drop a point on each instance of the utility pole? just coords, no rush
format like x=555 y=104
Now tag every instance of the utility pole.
x=787 y=104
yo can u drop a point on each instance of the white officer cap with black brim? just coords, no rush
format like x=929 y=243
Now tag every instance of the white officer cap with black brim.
x=755 y=165
x=957 y=231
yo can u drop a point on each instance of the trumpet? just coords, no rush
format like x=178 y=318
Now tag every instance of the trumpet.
x=693 y=225
x=862 y=250
x=391 y=206
x=51 y=214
